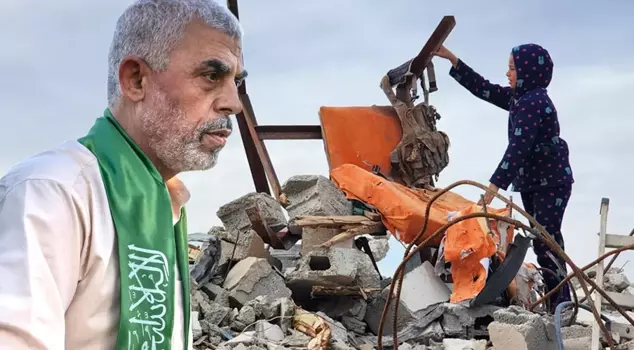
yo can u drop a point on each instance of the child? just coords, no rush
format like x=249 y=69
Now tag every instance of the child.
x=536 y=159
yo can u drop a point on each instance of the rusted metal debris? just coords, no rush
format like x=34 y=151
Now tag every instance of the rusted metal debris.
x=423 y=150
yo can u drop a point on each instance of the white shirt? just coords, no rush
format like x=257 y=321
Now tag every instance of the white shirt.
x=59 y=267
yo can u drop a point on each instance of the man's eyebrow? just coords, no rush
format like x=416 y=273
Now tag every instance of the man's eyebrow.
x=221 y=68
x=218 y=66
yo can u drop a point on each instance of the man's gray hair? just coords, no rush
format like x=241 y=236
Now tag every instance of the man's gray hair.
x=150 y=29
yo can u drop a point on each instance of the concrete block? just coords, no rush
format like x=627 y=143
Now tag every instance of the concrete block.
x=249 y=244
x=422 y=288
x=584 y=343
x=535 y=334
x=234 y=217
x=288 y=258
x=332 y=267
x=314 y=195
x=374 y=311
x=314 y=236
x=253 y=277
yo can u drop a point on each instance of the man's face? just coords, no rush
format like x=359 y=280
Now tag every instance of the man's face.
x=185 y=115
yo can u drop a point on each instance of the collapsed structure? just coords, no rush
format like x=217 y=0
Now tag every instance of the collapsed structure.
x=298 y=268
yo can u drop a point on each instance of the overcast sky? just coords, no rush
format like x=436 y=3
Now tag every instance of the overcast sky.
x=303 y=54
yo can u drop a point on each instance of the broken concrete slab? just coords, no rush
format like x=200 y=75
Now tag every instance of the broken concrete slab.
x=375 y=309
x=379 y=247
x=246 y=317
x=462 y=321
x=216 y=293
x=214 y=314
x=314 y=195
x=353 y=325
x=367 y=275
x=253 y=277
x=421 y=288
x=234 y=217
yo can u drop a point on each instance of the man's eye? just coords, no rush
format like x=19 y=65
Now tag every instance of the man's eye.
x=239 y=82
x=213 y=76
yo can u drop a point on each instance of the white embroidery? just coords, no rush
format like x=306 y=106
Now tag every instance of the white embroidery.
x=149 y=279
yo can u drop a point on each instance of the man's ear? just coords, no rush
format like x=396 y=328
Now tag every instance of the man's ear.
x=133 y=78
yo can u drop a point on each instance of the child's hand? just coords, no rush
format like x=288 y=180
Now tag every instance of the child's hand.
x=445 y=53
x=488 y=197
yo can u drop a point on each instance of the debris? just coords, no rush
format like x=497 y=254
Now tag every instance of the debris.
x=234 y=217
x=253 y=277
x=421 y=288
x=314 y=195
x=207 y=264
x=342 y=291
x=423 y=150
x=379 y=247
x=314 y=237
x=313 y=326
x=515 y=328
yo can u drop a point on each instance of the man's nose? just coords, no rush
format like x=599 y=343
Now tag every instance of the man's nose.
x=229 y=102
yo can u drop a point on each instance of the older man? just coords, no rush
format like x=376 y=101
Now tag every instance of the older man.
x=93 y=249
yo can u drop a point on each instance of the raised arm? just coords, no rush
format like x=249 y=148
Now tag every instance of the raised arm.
x=40 y=245
x=476 y=84
x=526 y=126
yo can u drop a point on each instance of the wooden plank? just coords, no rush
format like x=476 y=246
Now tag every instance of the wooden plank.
x=332 y=221
x=617 y=241
x=289 y=132
x=342 y=291
x=596 y=335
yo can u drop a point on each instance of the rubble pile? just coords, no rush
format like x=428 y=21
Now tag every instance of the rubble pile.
x=303 y=274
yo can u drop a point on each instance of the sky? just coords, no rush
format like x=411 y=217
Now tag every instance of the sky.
x=302 y=55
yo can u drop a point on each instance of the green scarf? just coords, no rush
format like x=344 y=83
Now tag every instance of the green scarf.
x=148 y=242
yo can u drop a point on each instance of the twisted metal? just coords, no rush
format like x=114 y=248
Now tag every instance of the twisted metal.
x=537 y=229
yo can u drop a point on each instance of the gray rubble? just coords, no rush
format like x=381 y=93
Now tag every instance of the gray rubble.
x=314 y=195
x=247 y=296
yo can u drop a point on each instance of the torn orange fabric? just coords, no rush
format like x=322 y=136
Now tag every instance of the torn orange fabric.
x=402 y=208
x=363 y=136
x=467 y=243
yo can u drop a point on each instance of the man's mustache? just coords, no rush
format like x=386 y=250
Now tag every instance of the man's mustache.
x=217 y=124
